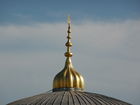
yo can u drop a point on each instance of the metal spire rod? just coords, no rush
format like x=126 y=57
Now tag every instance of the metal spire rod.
x=68 y=43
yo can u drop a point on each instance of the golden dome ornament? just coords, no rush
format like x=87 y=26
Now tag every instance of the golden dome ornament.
x=68 y=78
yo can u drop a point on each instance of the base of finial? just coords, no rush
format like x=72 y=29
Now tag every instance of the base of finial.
x=67 y=89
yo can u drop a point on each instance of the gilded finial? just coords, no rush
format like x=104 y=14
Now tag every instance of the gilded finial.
x=68 y=43
x=68 y=78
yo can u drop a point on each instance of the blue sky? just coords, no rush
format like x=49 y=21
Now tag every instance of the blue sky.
x=105 y=36
x=25 y=11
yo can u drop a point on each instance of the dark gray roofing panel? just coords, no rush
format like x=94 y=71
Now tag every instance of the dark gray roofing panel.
x=69 y=98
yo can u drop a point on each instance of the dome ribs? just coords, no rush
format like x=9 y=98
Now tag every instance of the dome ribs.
x=69 y=98
x=94 y=99
x=84 y=99
x=50 y=97
x=72 y=97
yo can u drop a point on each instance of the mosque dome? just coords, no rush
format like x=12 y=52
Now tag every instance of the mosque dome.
x=69 y=98
x=68 y=88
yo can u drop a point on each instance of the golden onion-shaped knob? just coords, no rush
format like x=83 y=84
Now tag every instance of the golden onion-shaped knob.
x=68 y=79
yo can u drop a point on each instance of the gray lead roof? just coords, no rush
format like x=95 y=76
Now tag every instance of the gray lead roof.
x=69 y=98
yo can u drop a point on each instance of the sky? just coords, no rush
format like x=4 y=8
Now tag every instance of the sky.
x=105 y=36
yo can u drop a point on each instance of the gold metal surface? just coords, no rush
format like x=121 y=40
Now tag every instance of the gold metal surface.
x=68 y=77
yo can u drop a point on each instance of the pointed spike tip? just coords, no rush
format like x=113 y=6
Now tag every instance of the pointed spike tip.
x=69 y=21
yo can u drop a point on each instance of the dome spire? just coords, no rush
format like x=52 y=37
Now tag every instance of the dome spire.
x=68 y=43
x=68 y=78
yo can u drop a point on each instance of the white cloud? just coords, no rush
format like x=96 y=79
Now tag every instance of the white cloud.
x=100 y=35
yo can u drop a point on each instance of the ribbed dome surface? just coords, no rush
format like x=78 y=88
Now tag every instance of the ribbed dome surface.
x=68 y=78
x=69 y=98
